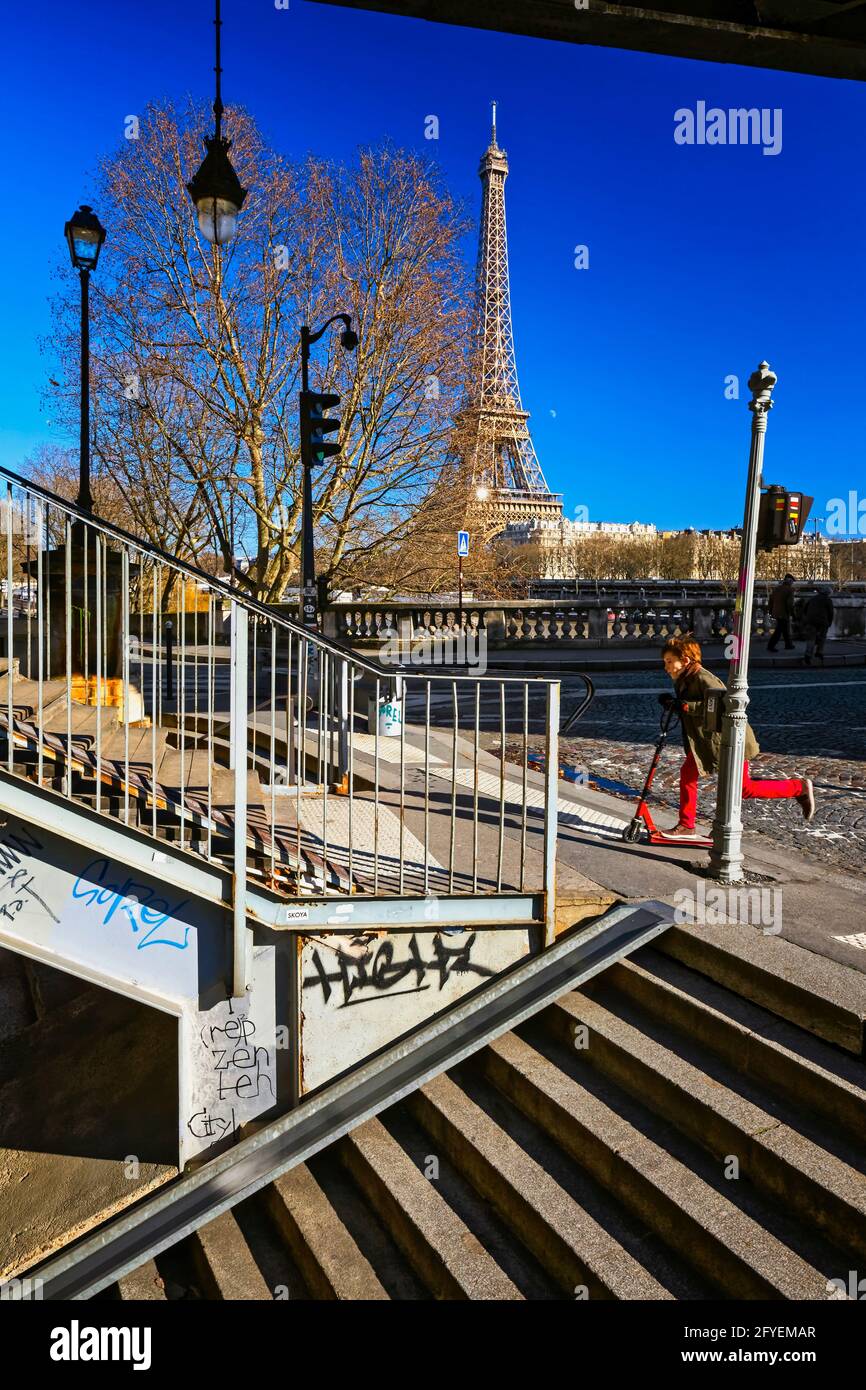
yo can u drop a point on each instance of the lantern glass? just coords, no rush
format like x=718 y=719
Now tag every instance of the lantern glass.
x=84 y=236
x=217 y=219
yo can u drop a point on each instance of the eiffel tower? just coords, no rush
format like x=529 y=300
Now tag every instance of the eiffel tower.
x=501 y=456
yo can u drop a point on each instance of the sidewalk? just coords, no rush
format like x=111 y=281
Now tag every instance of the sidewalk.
x=818 y=906
x=552 y=657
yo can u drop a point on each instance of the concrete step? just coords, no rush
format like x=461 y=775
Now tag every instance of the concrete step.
x=142 y=1284
x=755 y=1042
x=817 y=994
x=722 y=1242
x=563 y=1237
x=330 y=1261
x=225 y=1262
x=448 y=1258
x=26 y=693
x=824 y=1191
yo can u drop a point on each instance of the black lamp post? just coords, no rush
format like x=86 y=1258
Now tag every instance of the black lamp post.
x=311 y=405
x=85 y=235
x=215 y=188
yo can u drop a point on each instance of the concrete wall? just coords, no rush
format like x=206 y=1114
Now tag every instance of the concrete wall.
x=352 y=1005
x=63 y=904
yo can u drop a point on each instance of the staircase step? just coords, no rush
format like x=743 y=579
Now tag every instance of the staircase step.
x=440 y=1247
x=564 y=1238
x=26 y=693
x=702 y=1225
x=142 y=1284
x=822 y=1189
x=757 y=1044
x=330 y=1262
x=819 y=995
x=225 y=1262
x=190 y=771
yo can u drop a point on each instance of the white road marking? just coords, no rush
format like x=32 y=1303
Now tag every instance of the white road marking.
x=858 y=938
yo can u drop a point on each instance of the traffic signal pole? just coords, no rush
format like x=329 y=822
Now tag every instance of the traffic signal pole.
x=726 y=855
x=309 y=609
x=314 y=451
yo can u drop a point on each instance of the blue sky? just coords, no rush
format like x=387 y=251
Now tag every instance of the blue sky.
x=702 y=259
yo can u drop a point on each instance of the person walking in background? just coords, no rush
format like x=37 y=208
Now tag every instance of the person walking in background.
x=817 y=617
x=782 y=609
x=682 y=662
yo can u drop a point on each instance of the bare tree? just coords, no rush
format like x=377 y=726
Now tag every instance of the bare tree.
x=196 y=357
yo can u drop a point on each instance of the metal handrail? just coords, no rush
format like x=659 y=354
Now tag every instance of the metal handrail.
x=583 y=705
x=294 y=694
x=254 y=605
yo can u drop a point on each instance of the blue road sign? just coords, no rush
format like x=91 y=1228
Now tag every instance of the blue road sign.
x=462 y=543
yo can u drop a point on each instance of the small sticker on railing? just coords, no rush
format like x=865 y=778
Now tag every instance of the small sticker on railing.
x=297 y=914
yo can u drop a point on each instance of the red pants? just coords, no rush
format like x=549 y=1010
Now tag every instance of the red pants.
x=790 y=786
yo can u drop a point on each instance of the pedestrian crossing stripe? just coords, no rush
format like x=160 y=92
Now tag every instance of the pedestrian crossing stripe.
x=857 y=938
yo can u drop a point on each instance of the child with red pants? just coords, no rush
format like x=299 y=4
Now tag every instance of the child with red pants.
x=682 y=662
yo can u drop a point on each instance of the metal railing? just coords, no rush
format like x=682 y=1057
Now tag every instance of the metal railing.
x=161 y=696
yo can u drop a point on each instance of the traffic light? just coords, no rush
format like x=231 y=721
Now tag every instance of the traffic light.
x=781 y=517
x=314 y=426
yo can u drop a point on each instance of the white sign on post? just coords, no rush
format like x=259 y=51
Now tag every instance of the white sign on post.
x=462 y=543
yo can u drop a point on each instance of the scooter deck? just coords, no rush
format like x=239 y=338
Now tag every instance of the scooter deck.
x=699 y=841
x=654 y=836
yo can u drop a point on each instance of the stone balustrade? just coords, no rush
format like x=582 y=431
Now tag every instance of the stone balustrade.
x=616 y=618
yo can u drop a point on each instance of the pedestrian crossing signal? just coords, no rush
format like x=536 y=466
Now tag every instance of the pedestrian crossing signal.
x=781 y=517
x=462 y=544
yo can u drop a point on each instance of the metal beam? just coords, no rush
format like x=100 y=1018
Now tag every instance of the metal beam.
x=187 y=871
x=412 y=914
x=826 y=40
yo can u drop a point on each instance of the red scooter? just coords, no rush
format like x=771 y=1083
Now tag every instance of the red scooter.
x=642 y=822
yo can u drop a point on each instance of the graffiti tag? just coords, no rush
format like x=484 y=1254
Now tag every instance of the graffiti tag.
x=16 y=880
x=383 y=973
x=135 y=902
x=240 y=1064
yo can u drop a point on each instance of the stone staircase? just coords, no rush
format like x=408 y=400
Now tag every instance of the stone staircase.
x=689 y=1125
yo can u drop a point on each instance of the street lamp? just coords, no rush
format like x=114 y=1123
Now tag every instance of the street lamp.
x=84 y=235
x=726 y=855
x=816 y=558
x=311 y=408
x=215 y=188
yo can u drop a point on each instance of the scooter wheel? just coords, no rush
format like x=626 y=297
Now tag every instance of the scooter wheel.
x=633 y=832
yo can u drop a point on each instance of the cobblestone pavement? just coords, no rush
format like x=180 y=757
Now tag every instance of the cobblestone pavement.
x=809 y=724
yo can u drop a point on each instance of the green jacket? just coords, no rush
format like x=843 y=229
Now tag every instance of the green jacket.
x=691 y=689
